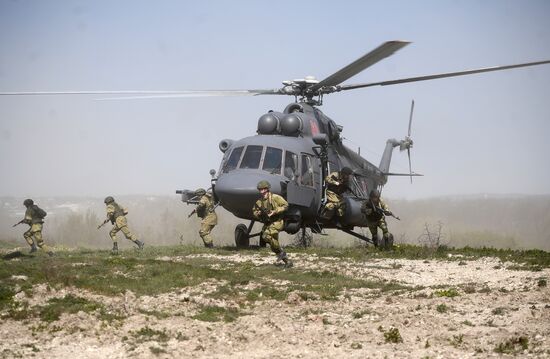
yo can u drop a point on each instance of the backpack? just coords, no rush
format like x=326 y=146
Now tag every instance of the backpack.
x=40 y=213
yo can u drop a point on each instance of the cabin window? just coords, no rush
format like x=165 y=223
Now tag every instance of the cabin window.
x=291 y=165
x=307 y=171
x=252 y=156
x=233 y=160
x=273 y=160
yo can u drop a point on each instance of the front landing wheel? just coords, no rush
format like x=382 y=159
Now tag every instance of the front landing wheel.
x=242 y=239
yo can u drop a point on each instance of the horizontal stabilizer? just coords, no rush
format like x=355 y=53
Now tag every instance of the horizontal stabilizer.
x=403 y=174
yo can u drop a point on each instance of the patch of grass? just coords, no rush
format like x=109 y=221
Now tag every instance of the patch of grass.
x=468 y=323
x=216 y=314
x=513 y=345
x=457 y=340
x=451 y=292
x=148 y=334
x=157 y=350
x=68 y=304
x=360 y=314
x=265 y=293
x=356 y=345
x=155 y=313
x=393 y=336
x=6 y=296
x=498 y=311
x=541 y=282
x=442 y=308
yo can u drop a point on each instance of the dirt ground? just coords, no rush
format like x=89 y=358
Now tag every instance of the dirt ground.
x=458 y=309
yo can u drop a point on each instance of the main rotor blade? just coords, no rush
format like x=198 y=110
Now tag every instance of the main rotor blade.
x=443 y=75
x=381 y=52
x=151 y=94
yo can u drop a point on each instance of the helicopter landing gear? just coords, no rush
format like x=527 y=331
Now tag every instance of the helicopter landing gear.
x=304 y=238
x=242 y=239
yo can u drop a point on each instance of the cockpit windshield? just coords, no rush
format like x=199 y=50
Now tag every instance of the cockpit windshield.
x=233 y=160
x=273 y=160
x=252 y=157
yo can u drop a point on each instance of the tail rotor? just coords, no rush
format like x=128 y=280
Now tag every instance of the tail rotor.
x=407 y=143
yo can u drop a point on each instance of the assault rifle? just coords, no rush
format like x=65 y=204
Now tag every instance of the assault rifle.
x=382 y=211
x=192 y=213
x=18 y=223
x=102 y=224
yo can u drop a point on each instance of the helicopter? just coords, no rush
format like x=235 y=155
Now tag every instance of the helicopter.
x=296 y=148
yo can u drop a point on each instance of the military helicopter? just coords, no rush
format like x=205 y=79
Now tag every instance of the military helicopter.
x=296 y=148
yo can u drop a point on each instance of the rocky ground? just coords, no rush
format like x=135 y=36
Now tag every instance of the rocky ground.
x=429 y=309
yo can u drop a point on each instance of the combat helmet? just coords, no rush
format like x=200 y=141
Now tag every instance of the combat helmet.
x=200 y=192
x=346 y=171
x=109 y=199
x=263 y=185
x=28 y=202
x=374 y=194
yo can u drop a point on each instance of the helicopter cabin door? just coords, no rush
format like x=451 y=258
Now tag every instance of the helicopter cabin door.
x=304 y=189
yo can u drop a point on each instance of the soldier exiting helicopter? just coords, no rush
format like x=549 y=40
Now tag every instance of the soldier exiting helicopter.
x=375 y=210
x=270 y=209
x=206 y=211
x=116 y=214
x=34 y=217
x=337 y=183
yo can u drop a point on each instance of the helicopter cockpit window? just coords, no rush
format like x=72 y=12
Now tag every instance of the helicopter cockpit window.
x=291 y=165
x=233 y=160
x=273 y=160
x=307 y=171
x=252 y=156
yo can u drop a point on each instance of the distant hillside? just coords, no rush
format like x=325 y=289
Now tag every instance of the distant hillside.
x=496 y=221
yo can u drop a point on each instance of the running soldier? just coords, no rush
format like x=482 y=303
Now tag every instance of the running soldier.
x=116 y=214
x=206 y=211
x=270 y=209
x=375 y=210
x=34 y=217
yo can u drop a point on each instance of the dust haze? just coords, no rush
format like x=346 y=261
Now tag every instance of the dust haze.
x=516 y=222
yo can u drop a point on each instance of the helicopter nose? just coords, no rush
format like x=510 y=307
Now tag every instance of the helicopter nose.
x=237 y=191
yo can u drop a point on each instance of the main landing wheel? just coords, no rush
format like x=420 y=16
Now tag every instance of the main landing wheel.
x=242 y=240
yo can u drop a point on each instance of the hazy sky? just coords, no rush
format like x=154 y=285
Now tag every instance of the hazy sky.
x=477 y=134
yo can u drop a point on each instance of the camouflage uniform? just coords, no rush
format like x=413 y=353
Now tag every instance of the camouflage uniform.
x=336 y=186
x=205 y=211
x=375 y=219
x=33 y=235
x=273 y=224
x=116 y=214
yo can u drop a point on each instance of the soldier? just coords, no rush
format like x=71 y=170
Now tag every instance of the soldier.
x=34 y=217
x=337 y=184
x=270 y=209
x=375 y=209
x=205 y=211
x=116 y=214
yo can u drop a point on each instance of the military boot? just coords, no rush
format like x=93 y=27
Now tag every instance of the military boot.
x=282 y=256
x=209 y=245
x=33 y=248
x=114 y=251
x=140 y=244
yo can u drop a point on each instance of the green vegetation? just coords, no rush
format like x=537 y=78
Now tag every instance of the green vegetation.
x=216 y=314
x=68 y=304
x=393 y=336
x=513 y=345
x=442 y=308
x=451 y=292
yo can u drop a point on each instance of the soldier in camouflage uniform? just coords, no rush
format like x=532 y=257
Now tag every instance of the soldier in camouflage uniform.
x=337 y=184
x=205 y=211
x=116 y=214
x=34 y=217
x=270 y=209
x=375 y=209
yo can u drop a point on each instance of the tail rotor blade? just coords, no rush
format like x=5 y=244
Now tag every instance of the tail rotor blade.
x=411 y=118
x=410 y=168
